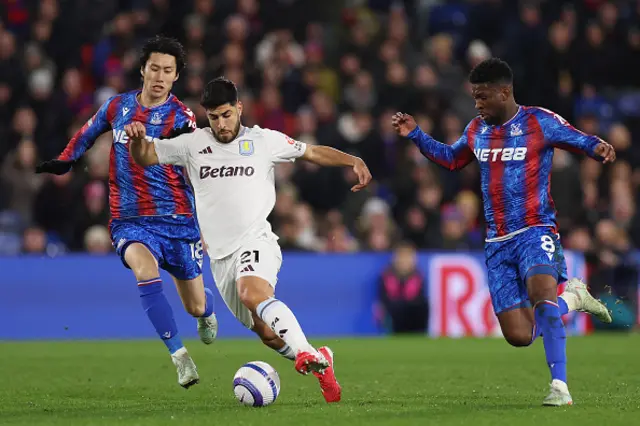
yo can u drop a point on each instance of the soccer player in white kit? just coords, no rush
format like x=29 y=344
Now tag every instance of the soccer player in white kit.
x=231 y=168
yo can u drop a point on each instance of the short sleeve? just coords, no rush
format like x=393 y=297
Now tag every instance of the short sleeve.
x=175 y=150
x=283 y=148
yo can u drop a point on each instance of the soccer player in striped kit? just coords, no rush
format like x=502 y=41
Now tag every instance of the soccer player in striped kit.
x=514 y=147
x=153 y=224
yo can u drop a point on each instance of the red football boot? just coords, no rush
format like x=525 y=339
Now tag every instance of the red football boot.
x=307 y=362
x=329 y=385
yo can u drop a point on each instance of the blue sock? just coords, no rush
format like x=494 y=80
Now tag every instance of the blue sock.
x=159 y=311
x=208 y=308
x=537 y=331
x=554 y=336
x=564 y=308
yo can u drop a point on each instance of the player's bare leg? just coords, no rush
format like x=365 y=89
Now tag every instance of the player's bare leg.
x=145 y=267
x=278 y=329
x=517 y=326
x=198 y=302
x=542 y=290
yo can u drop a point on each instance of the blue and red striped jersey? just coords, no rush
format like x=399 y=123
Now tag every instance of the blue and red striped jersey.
x=515 y=164
x=134 y=190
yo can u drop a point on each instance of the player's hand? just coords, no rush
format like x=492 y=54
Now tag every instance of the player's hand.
x=55 y=167
x=135 y=130
x=364 y=175
x=605 y=151
x=403 y=123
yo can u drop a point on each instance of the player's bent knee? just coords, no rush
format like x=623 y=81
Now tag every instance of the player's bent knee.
x=517 y=338
x=253 y=290
x=250 y=299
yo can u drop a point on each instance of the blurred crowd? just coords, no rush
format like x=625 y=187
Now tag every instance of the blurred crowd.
x=330 y=73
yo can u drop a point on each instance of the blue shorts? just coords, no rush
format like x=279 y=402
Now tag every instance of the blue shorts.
x=173 y=240
x=509 y=264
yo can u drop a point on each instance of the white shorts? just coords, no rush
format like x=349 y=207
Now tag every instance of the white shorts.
x=260 y=257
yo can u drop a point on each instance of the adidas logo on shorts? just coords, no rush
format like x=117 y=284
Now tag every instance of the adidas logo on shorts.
x=248 y=268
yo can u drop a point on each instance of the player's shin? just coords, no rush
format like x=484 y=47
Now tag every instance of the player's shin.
x=207 y=322
x=287 y=352
x=563 y=303
x=283 y=322
x=159 y=311
x=271 y=340
x=549 y=321
x=535 y=333
x=208 y=307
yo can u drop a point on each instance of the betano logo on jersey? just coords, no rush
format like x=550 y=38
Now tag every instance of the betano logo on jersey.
x=225 y=171
x=502 y=154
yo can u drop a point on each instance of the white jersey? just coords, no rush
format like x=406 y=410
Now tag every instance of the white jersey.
x=234 y=183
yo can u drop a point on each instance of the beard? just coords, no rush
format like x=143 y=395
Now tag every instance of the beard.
x=228 y=136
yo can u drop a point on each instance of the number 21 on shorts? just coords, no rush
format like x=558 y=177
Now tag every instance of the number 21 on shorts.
x=250 y=256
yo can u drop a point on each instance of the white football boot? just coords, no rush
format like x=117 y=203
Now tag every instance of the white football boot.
x=584 y=301
x=559 y=395
x=187 y=372
x=208 y=329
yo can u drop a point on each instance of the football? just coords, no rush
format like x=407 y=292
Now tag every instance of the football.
x=256 y=384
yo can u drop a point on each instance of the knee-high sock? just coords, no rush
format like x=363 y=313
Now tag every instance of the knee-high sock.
x=549 y=322
x=159 y=311
x=284 y=323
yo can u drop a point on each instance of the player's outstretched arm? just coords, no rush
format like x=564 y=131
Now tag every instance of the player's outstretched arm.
x=451 y=157
x=564 y=136
x=327 y=156
x=142 y=151
x=80 y=143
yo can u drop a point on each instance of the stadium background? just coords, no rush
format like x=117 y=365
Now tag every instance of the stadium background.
x=332 y=73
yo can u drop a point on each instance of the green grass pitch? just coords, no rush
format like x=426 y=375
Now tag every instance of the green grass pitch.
x=386 y=381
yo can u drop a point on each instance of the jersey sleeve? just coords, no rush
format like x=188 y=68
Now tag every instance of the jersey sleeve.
x=451 y=157
x=185 y=122
x=560 y=134
x=87 y=135
x=283 y=148
x=174 y=150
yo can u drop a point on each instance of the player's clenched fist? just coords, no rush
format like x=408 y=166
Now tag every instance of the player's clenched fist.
x=363 y=173
x=403 y=123
x=135 y=130
x=606 y=151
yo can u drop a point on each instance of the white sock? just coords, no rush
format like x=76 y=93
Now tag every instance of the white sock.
x=282 y=321
x=287 y=352
x=571 y=300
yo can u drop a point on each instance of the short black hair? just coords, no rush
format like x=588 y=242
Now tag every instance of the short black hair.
x=166 y=45
x=219 y=91
x=492 y=70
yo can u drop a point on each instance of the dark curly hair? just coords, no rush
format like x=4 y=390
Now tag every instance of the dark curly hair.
x=493 y=70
